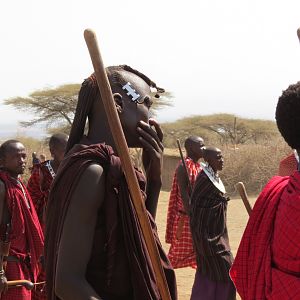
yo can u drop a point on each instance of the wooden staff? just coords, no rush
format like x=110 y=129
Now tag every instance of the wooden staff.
x=123 y=152
x=21 y=283
x=242 y=191
x=185 y=168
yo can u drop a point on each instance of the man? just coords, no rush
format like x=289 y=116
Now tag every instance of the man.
x=208 y=217
x=43 y=174
x=181 y=253
x=19 y=222
x=94 y=246
x=267 y=263
x=39 y=186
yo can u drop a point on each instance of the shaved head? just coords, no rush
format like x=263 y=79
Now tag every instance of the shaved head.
x=213 y=156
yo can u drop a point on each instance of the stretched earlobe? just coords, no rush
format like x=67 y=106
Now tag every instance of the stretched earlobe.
x=118 y=101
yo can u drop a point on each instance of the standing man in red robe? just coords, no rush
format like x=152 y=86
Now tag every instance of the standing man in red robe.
x=267 y=264
x=43 y=174
x=24 y=231
x=39 y=185
x=181 y=253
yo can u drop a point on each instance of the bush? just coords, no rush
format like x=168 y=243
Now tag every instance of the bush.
x=252 y=164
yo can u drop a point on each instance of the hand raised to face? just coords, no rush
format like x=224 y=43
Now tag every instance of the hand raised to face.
x=151 y=136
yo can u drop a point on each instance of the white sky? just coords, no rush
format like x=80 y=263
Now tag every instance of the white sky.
x=231 y=56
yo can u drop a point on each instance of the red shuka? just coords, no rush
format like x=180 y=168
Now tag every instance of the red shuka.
x=288 y=165
x=178 y=234
x=267 y=264
x=25 y=235
x=38 y=187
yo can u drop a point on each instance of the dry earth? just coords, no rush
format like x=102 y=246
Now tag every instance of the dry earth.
x=237 y=220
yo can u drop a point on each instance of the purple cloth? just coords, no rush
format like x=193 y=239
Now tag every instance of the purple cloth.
x=206 y=289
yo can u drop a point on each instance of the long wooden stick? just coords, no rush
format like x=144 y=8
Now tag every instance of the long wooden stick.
x=185 y=168
x=242 y=191
x=123 y=152
x=19 y=283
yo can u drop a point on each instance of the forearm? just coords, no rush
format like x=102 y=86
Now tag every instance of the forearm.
x=153 y=190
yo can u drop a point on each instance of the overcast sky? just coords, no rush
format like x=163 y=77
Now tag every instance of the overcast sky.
x=230 y=56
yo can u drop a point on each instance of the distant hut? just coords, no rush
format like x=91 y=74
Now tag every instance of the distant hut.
x=171 y=159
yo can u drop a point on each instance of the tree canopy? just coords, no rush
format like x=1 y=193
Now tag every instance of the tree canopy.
x=55 y=107
x=224 y=129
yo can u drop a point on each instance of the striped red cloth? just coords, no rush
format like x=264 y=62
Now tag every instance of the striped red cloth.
x=181 y=253
x=25 y=235
x=267 y=264
x=39 y=186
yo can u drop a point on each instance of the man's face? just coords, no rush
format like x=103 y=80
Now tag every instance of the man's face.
x=58 y=151
x=198 y=146
x=131 y=111
x=14 y=160
x=216 y=160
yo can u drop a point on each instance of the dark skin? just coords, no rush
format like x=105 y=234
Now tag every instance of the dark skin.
x=14 y=162
x=213 y=156
x=78 y=231
x=194 y=150
x=57 y=151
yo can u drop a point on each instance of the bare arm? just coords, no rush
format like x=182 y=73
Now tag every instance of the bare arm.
x=183 y=183
x=77 y=237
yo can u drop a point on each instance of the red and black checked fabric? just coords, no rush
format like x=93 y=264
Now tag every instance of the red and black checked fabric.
x=288 y=165
x=25 y=235
x=267 y=265
x=181 y=253
x=38 y=186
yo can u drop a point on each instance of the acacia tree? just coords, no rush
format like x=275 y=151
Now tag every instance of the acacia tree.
x=222 y=129
x=55 y=107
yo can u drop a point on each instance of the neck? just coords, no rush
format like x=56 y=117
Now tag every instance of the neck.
x=193 y=158
x=99 y=132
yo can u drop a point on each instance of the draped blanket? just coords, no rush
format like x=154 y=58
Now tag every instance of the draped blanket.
x=120 y=218
x=267 y=264
x=25 y=235
x=178 y=234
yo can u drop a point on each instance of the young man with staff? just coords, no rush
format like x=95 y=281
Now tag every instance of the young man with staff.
x=178 y=234
x=95 y=248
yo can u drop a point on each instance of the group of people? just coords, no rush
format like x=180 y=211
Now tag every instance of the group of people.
x=196 y=222
x=74 y=225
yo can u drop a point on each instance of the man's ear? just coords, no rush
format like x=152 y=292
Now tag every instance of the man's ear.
x=118 y=101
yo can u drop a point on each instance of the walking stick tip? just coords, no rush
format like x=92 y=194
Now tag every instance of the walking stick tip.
x=88 y=33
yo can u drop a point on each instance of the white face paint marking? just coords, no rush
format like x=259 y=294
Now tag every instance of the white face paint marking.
x=131 y=91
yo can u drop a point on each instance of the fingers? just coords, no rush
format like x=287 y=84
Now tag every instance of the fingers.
x=153 y=122
x=149 y=137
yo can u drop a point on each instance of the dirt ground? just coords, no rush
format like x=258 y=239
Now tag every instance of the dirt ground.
x=237 y=220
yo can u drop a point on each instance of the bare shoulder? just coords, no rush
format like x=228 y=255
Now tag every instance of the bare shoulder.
x=90 y=187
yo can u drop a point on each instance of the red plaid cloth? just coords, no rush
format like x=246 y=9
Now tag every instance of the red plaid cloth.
x=25 y=235
x=288 y=165
x=39 y=186
x=267 y=264
x=181 y=253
